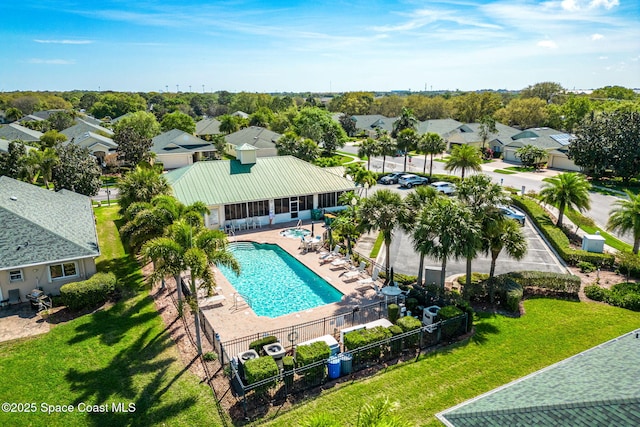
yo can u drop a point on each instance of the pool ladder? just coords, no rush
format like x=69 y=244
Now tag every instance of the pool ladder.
x=299 y=224
x=239 y=298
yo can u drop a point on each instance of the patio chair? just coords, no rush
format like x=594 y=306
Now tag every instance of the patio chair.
x=14 y=296
x=354 y=274
x=325 y=256
x=370 y=280
x=228 y=227
x=341 y=262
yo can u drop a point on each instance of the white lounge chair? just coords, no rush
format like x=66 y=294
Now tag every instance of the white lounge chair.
x=370 y=280
x=341 y=262
x=216 y=299
x=354 y=274
x=330 y=253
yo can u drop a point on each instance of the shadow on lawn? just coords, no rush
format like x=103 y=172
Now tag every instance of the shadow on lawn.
x=119 y=382
x=483 y=328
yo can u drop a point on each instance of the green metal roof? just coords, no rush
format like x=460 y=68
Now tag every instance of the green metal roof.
x=42 y=226
x=223 y=182
x=597 y=387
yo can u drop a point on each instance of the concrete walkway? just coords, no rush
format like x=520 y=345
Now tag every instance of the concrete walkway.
x=19 y=321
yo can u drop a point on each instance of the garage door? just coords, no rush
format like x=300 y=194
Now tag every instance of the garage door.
x=510 y=155
x=561 y=162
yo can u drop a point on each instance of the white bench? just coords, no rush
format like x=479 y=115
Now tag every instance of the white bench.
x=216 y=299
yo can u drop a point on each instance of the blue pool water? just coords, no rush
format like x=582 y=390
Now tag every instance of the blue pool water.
x=275 y=282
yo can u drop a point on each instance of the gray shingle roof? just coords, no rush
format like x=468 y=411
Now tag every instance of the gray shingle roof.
x=42 y=226
x=439 y=126
x=257 y=136
x=178 y=141
x=222 y=182
x=14 y=131
x=208 y=127
x=546 y=138
x=598 y=387
x=469 y=133
x=81 y=127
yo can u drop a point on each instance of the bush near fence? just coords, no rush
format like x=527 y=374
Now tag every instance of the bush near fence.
x=89 y=293
x=557 y=237
x=625 y=295
x=364 y=338
x=260 y=369
x=309 y=354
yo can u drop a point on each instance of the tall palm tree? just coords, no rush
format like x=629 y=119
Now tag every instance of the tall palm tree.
x=483 y=197
x=382 y=211
x=388 y=147
x=430 y=144
x=141 y=185
x=407 y=140
x=503 y=234
x=194 y=249
x=443 y=231
x=626 y=217
x=369 y=148
x=567 y=190
x=407 y=120
x=464 y=157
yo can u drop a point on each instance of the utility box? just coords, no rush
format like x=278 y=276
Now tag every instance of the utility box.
x=593 y=243
x=432 y=275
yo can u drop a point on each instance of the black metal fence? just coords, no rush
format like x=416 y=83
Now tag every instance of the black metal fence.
x=302 y=378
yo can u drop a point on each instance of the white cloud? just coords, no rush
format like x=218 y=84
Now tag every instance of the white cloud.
x=597 y=36
x=51 y=61
x=64 y=41
x=570 y=5
x=603 y=57
x=607 y=4
x=549 y=44
x=575 y=5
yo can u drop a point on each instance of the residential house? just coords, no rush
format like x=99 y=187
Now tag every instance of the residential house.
x=598 y=387
x=263 y=140
x=82 y=127
x=4 y=146
x=370 y=124
x=469 y=134
x=554 y=142
x=208 y=127
x=266 y=189
x=98 y=145
x=15 y=132
x=440 y=126
x=48 y=238
x=176 y=149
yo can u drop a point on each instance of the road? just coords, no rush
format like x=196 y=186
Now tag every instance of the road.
x=601 y=204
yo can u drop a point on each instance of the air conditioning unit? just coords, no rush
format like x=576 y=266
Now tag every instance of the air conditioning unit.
x=243 y=358
x=429 y=315
x=275 y=350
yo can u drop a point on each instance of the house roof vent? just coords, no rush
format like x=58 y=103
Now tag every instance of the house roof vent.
x=14 y=198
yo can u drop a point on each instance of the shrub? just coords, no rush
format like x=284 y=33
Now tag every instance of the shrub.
x=408 y=323
x=364 y=337
x=259 y=369
x=560 y=284
x=625 y=295
x=88 y=293
x=595 y=292
x=396 y=345
x=210 y=356
x=393 y=312
x=287 y=367
x=586 y=267
x=402 y=279
x=628 y=264
x=258 y=344
x=412 y=305
x=312 y=353
x=450 y=327
x=556 y=236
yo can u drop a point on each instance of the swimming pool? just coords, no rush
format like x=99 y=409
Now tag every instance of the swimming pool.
x=275 y=282
x=295 y=233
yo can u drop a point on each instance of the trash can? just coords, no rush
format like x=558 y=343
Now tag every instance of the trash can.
x=334 y=367
x=316 y=214
x=345 y=363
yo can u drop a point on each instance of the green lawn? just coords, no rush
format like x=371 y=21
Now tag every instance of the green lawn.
x=520 y=169
x=502 y=350
x=123 y=354
x=586 y=224
x=505 y=172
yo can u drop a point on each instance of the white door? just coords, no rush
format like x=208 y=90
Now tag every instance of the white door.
x=293 y=208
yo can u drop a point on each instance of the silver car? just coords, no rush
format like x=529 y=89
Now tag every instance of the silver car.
x=512 y=213
x=444 y=187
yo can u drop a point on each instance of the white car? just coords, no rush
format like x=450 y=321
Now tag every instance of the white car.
x=512 y=213
x=444 y=187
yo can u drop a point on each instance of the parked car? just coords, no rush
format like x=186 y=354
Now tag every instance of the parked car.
x=444 y=187
x=411 y=180
x=392 y=178
x=512 y=213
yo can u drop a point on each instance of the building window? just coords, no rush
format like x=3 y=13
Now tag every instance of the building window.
x=15 y=276
x=305 y=203
x=237 y=211
x=61 y=271
x=327 y=200
x=260 y=208
x=281 y=205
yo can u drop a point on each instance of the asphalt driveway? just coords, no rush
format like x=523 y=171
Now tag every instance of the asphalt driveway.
x=539 y=257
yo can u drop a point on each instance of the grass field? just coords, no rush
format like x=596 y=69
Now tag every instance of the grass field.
x=505 y=172
x=121 y=355
x=502 y=350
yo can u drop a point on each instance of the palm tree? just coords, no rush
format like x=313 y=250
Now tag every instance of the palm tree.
x=443 y=230
x=48 y=161
x=407 y=120
x=407 y=140
x=382 y=211
x=464 y=157
x=567 y=190
x=626 y=217
x=195 y=249
x=415 y=201
x=369 y=148
x=430 y=143
x=141 y=185
x=503 y=233
x=388 y=147
x=229 y=124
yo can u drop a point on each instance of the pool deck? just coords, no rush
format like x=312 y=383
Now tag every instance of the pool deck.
x=233 y=319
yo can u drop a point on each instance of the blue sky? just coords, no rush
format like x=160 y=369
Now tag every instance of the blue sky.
x=278 y=46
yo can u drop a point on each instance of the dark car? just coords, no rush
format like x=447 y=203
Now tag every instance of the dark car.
x=392 y=178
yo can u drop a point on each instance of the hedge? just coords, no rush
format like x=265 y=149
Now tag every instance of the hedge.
x=557 y=282
x=393 y=312
x=556 y=236
x=311 y=353
x=363 y=337
x=628 y=264
x=259 y=369
x=408 y=323
x=625 y=295
x=88 y=293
